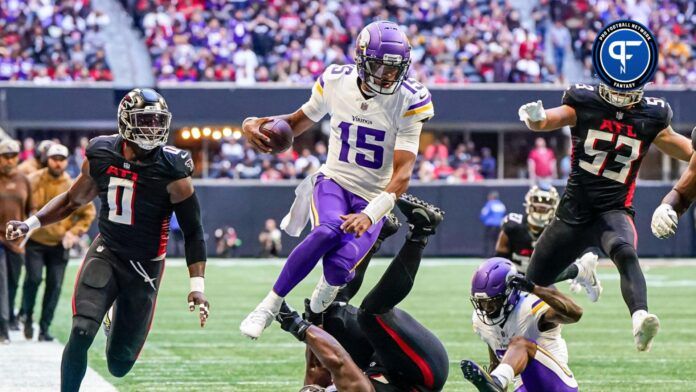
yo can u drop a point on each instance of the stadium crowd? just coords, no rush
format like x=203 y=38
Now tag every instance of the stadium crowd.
x=47 y=41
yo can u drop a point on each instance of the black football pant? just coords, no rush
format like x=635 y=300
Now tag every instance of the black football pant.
x=14 y=262
x=405 y=348
x=105 y=279
x=613 y=231
x=54 y=259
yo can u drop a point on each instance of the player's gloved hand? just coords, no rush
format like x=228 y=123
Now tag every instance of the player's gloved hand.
x=291 y=321
x=356 y=223
x=16 y=229
x=197 y=298
x=314 y=318
x=532 y=112
x=521 y=283
x=252 y=132
x=664 y=221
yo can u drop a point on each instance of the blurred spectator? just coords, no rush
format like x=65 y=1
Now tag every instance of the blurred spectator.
x=491 y=216
x=47 y=41
x=488 y=165
x=560 y=41
x=38 y=160
x=541 y=163
x=226 y=241
x=438 y=149
x=270 y=239
x=27 y=149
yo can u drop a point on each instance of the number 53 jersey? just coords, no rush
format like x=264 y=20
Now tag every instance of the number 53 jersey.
x=609 y=144
x=365 y=132
x=135 y=204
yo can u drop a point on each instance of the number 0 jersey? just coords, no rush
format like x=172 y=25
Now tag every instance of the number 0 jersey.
x=135 y=204
x=609 y=144
x=365 y=132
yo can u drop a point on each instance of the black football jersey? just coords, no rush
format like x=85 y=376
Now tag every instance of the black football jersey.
x=521 y=240
x=135 y=205
x=609 y=144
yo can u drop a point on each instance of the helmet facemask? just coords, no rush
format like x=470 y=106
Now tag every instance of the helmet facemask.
x=383 y=76
x=148 y=128
x=620 y=98
x=540 y=206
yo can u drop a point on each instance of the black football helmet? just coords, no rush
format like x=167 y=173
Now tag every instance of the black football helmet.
x=144 y=118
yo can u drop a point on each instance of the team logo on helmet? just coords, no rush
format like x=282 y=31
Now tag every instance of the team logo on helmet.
x=624 y=55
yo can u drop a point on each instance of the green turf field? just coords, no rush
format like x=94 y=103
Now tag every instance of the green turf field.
x=179 y=356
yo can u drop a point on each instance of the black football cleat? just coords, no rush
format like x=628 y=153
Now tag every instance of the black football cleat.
x=479 y=377
x=44 y=336
x=422 y=217
x=390 y=227
x=28 y=328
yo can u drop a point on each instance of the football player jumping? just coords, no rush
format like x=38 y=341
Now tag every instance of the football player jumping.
x=376 y=120
x=519 y=234
x=611 y=133
x=140 y=182
x=521 y=324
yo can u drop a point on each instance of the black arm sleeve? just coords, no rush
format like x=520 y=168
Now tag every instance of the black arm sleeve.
x=188 y=213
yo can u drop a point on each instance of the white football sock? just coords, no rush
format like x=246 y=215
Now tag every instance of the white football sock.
x=638 y=317
x=504 y=374
x=272 y=302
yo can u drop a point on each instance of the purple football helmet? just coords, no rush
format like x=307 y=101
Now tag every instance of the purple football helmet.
x=382 y=56
x=492 y=297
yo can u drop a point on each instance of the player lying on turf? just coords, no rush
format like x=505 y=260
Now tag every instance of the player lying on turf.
x=376 y=119
x=666 y=216
x=519 y=234
x=140 y=182
x=376 y=347
x=611 y=133
x=521 y=324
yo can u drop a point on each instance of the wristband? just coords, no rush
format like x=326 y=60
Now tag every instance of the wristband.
x=33 y=222
x=380 y=206
x=197 y=284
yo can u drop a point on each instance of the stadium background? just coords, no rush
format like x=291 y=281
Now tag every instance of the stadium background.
x=64 y=65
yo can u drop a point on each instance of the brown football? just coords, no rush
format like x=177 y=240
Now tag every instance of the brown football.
x=280 y=133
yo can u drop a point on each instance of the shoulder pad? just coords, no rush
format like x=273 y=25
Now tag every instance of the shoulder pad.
x=512 y=221
x=657 y=109
x=180 y=162
x=418 y=99
x=101 y=144
x=581 y=94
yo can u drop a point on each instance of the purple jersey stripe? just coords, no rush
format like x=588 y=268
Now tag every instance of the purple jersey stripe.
x=421 y=103
x=537 y=302
x=321 y=80
x=407 y=87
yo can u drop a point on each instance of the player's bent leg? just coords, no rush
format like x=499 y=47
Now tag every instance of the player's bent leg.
x=546 y=373
x=559 y=245
x=133 y=312
x=583 y=273
x=478 y=376
x=618 y=239
x=407 y=348
x=340 y=264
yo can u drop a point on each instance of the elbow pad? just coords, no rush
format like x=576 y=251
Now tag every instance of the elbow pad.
x=188 y=213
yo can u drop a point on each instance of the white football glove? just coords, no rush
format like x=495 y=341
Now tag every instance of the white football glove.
x=664 y=221
x=532 y=112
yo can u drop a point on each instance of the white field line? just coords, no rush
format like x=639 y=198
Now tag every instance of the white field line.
x=32 y=366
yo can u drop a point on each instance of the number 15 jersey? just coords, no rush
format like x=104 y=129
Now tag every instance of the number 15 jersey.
x=135 y=203
x=365 y=132
x=609 y=144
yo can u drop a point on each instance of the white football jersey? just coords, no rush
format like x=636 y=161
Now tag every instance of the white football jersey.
x=365 y=132
x=523 y=321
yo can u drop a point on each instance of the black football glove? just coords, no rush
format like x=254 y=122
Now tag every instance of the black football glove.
x=314 y=318
x=291 y=321
x=521 y=283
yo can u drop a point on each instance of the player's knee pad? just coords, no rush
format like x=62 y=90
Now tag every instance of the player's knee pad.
x=118 y=367
x=84 y=328
x=623 y=254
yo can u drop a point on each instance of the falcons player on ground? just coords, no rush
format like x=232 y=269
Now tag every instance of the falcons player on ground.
x=611 y=133
x=376 y=119
x=140 y=182
x=519 y=234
